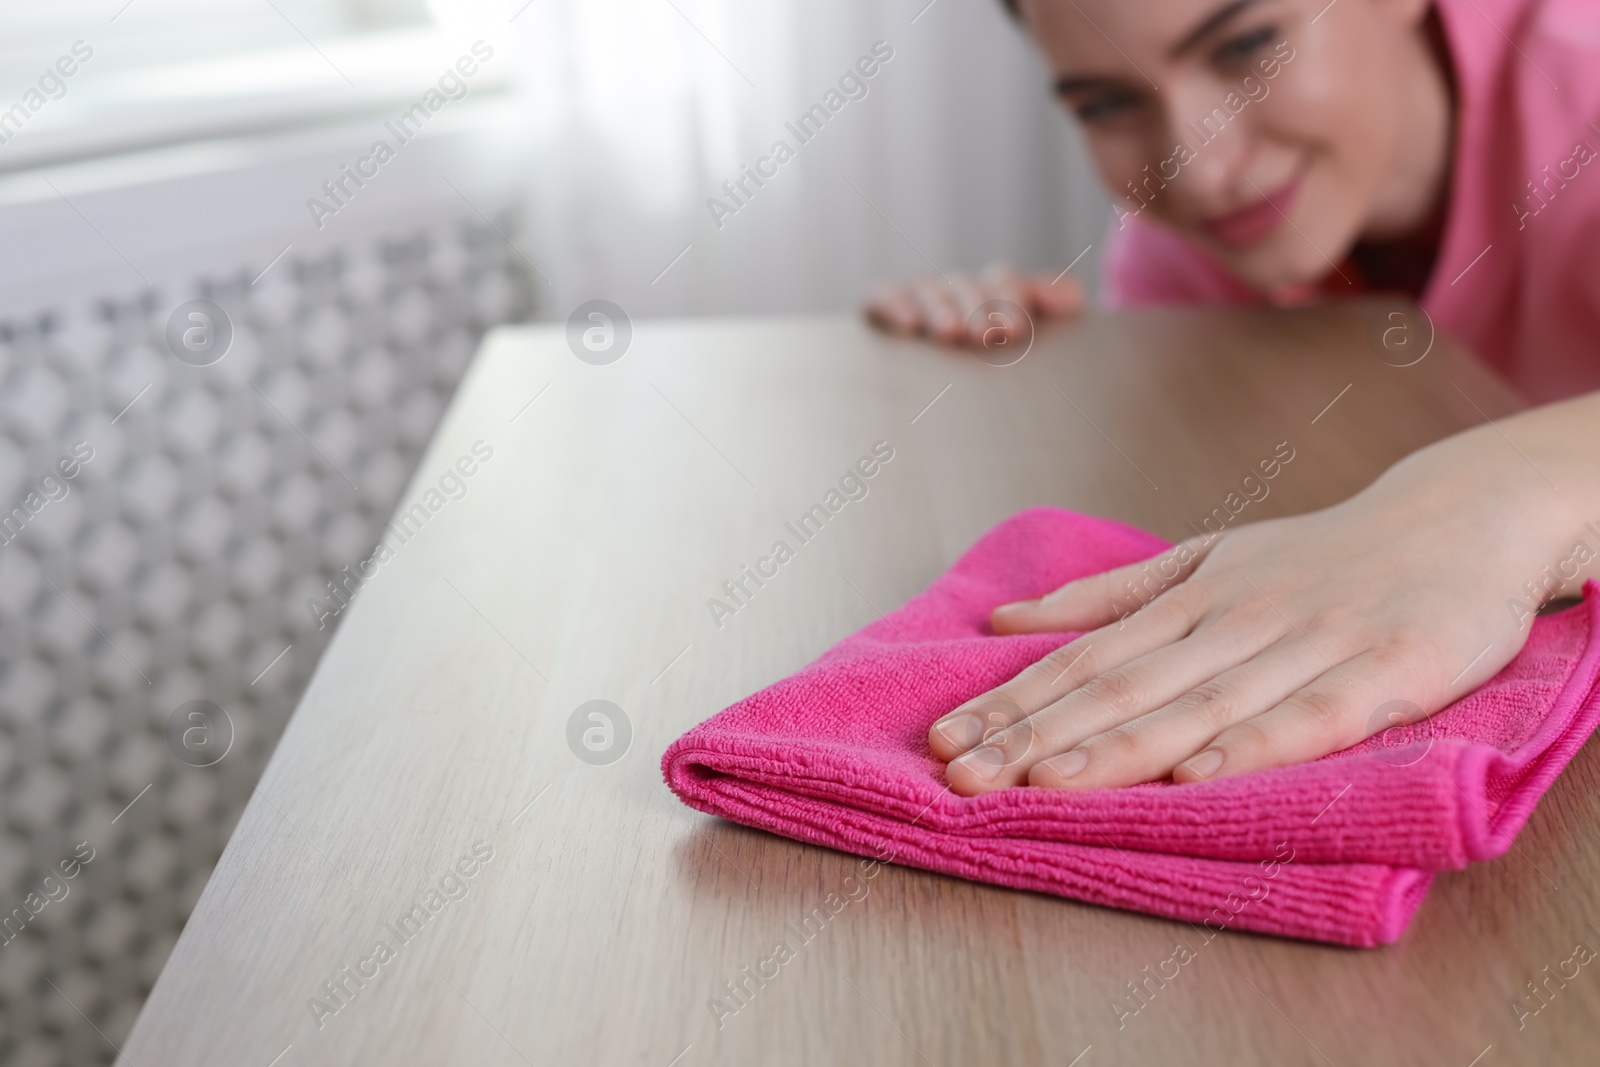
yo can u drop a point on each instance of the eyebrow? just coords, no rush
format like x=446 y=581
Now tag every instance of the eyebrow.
x=1070 y=84
x=1210 y=25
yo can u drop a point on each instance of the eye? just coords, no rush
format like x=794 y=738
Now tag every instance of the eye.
x=1105 y=106
x=1238 y=50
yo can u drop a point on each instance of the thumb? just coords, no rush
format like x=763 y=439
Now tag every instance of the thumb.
x=1061 y=297
x=1101 y=599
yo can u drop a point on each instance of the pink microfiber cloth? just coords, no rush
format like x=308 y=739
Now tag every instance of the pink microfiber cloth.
x=1341 y=849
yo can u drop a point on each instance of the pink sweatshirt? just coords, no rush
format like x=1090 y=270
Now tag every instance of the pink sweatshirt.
x=1517 y=277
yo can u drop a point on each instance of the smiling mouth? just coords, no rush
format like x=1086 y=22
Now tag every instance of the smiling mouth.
x=1254 y=222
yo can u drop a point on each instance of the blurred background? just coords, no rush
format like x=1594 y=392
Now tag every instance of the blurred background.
x=154 y=628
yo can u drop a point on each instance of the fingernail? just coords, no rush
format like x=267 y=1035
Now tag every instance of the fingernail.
x=1016 y=607
x=1205 y=764
x=983 y=763
x=1069 y=764
x=962 y=731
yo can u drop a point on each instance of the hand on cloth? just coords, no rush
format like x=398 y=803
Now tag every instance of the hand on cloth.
x=1281 y=641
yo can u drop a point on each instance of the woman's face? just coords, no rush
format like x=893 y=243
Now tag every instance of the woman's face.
x=1273 y=132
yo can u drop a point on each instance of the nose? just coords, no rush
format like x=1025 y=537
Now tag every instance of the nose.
x=1220 y=139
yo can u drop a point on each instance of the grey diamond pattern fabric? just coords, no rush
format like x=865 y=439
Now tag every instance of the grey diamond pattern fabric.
x=204 y=506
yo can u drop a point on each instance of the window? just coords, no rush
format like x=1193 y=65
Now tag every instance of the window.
x=86 y=78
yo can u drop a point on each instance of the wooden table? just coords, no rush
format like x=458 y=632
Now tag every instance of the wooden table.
x=577 y=567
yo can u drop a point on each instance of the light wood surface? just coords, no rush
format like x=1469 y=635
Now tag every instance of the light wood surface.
x=577 y=567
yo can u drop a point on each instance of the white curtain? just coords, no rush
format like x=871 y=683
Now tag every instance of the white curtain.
x=639 y=110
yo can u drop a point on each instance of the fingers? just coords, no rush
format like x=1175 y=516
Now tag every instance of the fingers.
x=942 y=309
x=1057 y=674
x=969 y=294
x=1332 y=712
x=1147 y=748
x=1111 y=699
x=1059 y=297
x=1001 y=282
x=1103 y=598
x=894 y=309
x=1041 y=297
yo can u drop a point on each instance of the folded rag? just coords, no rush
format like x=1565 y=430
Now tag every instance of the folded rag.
x=1341 y=849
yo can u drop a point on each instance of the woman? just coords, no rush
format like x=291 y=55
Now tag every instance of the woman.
x=1280 y=151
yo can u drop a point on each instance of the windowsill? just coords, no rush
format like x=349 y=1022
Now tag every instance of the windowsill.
x=267 y=91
